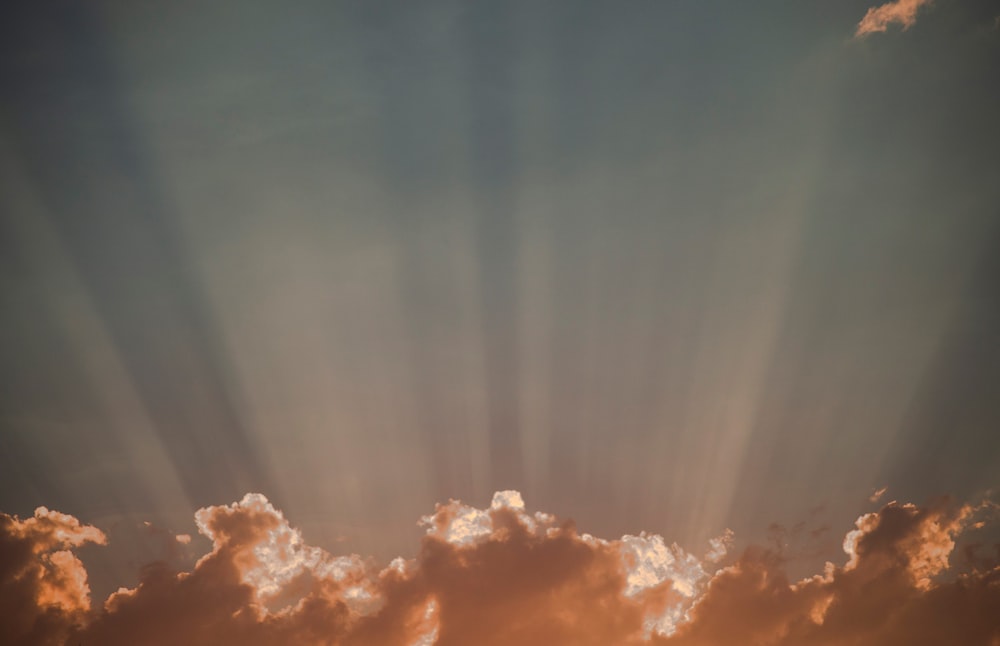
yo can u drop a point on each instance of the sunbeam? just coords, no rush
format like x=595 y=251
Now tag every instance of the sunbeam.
x=705 y=276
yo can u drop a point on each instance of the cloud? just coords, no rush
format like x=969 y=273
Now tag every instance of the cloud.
x=504 y=575
x=43 y=585
x=878 y=19
x=884 y=595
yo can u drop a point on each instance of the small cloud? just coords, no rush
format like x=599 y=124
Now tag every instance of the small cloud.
x=877 y=494
x=719 y=546
x=878 y=19
x=167 y=541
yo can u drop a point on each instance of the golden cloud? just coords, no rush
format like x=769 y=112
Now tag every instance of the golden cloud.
x=878 y=19
x=503 y=575
x=43 y=585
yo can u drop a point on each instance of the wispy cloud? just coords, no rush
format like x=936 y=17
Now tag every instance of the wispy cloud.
x=503 y=575
x=878 y=19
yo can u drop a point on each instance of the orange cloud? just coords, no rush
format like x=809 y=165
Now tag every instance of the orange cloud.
x=884 y=595
x=43 y=586
x=503 y=575
x=878 y=19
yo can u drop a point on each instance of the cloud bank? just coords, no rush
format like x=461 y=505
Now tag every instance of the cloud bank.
x=878 y=19
x=502 y=575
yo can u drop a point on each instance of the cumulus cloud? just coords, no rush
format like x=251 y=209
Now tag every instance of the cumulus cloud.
x=887 y=593
x=878 y=19
x=43 y=585
x=504 y=575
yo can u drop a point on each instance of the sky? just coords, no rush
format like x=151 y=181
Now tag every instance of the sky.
x=644 y=306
